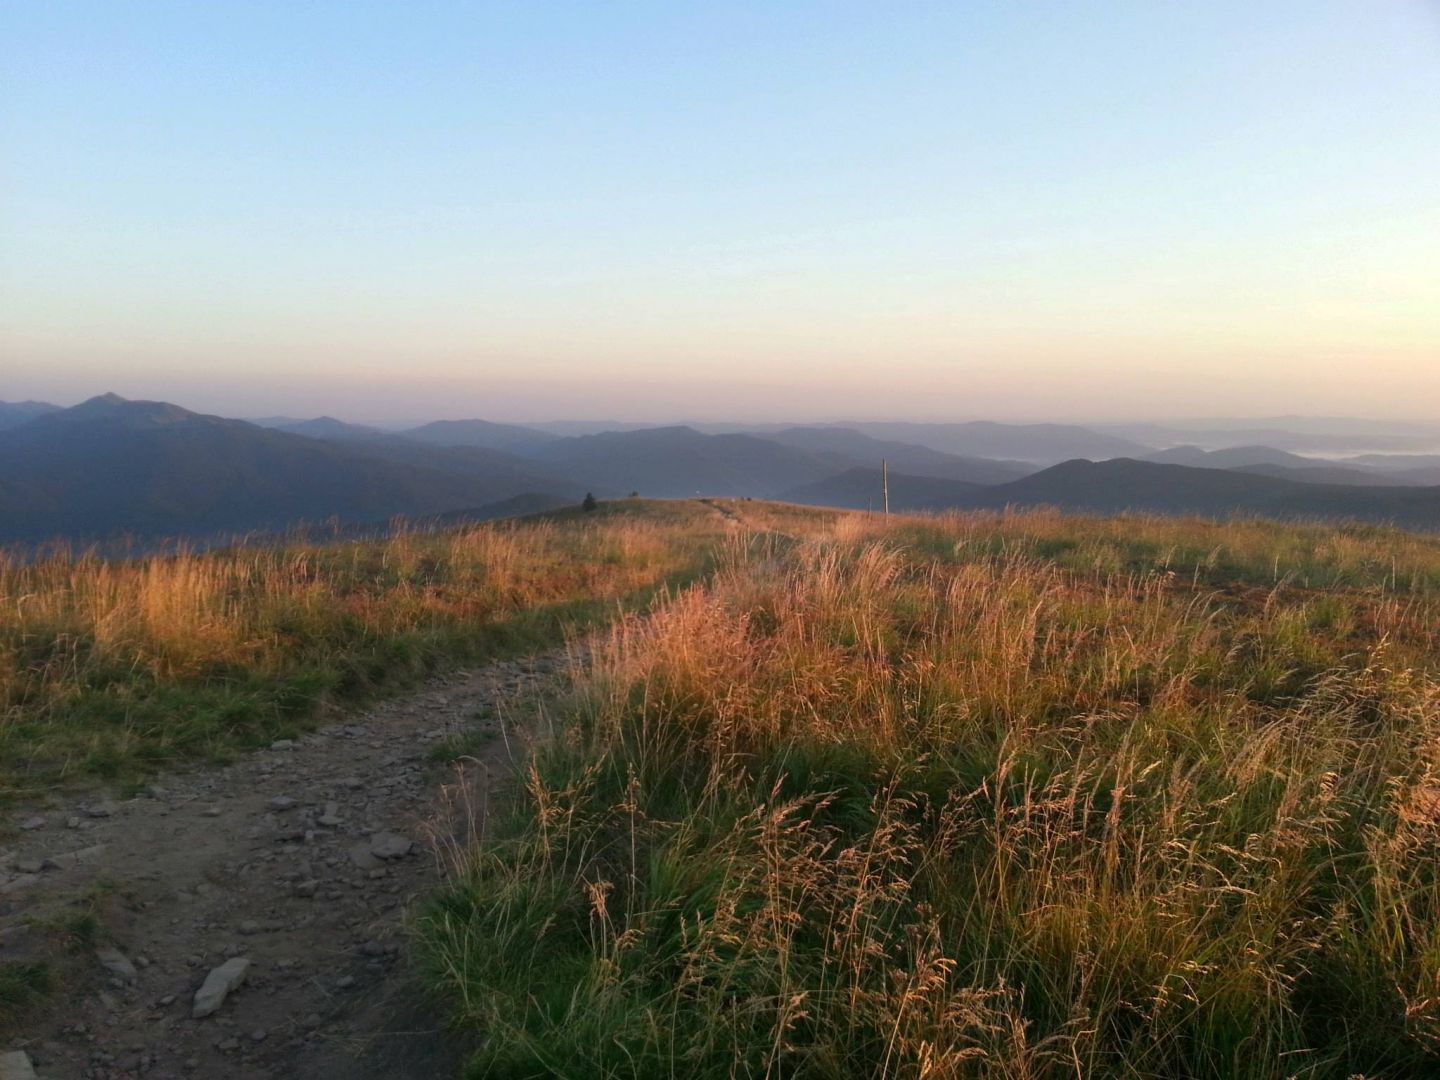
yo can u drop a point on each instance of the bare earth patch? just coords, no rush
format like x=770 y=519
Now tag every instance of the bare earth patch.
x=304 y=859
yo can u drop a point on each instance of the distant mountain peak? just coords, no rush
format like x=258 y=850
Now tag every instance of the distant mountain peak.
x=126 y=411
x=485 y=434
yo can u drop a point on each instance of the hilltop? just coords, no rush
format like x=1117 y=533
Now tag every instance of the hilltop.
x=150 y=468
x=1032 y=772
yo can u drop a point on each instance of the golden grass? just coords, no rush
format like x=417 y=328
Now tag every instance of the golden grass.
x=110 y=666
x=1012 y=795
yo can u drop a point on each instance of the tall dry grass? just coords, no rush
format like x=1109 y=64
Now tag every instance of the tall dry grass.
x=994 y=795
x=111 y=666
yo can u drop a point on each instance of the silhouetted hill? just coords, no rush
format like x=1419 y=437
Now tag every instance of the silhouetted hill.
x=863 y=489
x=321 y=427
x=1423 y=469
x=1124 y=484
x=570 y=429
x=909 y=458
x=1334 y=474
x=1233 y=457
x=1268 y=461
x=1394 y=461
x=516 y=473
x=1040 y=443
x=512 y=438
x=1424 y=477
x=151 y=468
x=1303 y=437
x=15 y=413
x=679 y=462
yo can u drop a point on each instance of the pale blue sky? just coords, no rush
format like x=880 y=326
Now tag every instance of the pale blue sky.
x=528 y=210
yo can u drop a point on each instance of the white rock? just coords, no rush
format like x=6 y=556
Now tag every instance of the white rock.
x=117 y=963
x=390 y=846
x=217 y=985
x=362 y=857
x=15 y=1065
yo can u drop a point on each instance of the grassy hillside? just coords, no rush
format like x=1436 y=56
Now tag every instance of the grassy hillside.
x=110 y=668
x=991 y=795
x=1111 y=487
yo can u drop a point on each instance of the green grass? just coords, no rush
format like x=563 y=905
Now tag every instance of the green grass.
x=58 y=954
x=24 y=985
x=459 y=747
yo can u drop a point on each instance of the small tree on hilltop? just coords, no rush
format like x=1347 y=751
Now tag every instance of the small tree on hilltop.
x=589 y=503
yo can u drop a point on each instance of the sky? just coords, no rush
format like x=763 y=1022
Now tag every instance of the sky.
x=648 y=211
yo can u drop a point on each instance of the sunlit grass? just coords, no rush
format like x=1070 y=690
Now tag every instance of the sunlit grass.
x=990 y=795
x=111 y=667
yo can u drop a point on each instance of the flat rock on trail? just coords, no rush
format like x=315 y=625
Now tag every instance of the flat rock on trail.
x=302 y=859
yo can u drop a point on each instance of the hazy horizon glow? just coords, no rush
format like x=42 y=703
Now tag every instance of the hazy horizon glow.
x=932 y=211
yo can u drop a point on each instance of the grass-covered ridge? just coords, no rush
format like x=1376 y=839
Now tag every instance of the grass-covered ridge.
x=992 y=796
x=109 y=668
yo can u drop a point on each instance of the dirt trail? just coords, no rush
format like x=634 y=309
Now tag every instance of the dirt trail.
x=303 y=859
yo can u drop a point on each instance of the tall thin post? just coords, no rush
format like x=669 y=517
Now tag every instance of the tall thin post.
x=885 y=483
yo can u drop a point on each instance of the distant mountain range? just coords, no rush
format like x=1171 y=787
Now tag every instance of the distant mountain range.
x=679 y=462
x=111 y=466
x=321 y=427
x=1123 y=484
x=1298 y=434
x=512 y=438
x=910 y=458
x=1041 y=444
x=864 y=489
x=15 y=413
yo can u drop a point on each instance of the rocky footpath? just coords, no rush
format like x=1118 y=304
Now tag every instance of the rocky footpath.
x=255 y=913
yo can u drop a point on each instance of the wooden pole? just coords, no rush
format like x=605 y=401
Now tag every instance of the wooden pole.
x=885 y=483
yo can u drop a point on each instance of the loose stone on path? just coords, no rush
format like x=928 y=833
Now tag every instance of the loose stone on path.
x=218 y=985
x=15 y=1065
x=117 y=963
x=390 y=846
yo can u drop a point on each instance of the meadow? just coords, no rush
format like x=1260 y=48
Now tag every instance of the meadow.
x=1018 y=795
x=989 y=795
x=111 y=668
